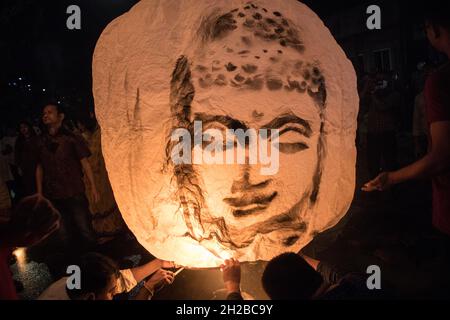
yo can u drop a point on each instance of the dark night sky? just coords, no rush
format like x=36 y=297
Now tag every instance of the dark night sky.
x=36 y=45
x=36 y=42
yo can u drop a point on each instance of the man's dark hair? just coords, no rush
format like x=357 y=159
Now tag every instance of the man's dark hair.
x=290 y=277
x=96 y=273
x=58 y=106
x=437 y=13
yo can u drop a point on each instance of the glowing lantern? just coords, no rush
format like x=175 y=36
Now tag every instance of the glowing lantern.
x=171 y=65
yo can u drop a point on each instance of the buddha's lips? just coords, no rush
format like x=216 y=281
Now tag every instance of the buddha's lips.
x=248 y=204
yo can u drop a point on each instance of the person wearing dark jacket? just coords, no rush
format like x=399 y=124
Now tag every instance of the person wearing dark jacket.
x=292 y=276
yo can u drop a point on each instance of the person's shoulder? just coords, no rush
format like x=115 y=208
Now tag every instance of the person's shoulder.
x=351 y=286
x=438 y=81
x=441 y=74
x=56 y=291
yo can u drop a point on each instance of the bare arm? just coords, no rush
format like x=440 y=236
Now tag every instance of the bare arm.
x=88 y=171
x=142 y=272
x=39 y=178
x=90 y=176
x=435 y=162
x=157 y=280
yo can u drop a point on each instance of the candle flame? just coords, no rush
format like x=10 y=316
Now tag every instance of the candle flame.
x=21 y=257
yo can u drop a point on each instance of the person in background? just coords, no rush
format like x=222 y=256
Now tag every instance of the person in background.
x=61 y=164
x=436 y=163
x=101 y=279
x=32 y=221
x=365 y=85
x=26 y=158
x=6 y=174
x=36 y=124
x=5 y=196
x=292 y=276
x=8 y=144
x=107 y=219
x=5 y=202
x=383 y=104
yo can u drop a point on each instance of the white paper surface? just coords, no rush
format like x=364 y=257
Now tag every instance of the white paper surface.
x=238 y=62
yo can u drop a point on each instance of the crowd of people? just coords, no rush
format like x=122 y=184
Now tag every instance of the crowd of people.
x=54 y=184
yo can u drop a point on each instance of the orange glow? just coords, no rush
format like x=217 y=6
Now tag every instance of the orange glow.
x=21 y=256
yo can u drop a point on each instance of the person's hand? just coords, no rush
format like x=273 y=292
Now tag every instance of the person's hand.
x=167 y=264
x=380 y=183
x=159 y=278
x=231 y=273
x=95 y=195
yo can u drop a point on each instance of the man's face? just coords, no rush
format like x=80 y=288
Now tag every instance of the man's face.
x=24 y=130
x=252 y=203
x=110 y=290
x=50 y=116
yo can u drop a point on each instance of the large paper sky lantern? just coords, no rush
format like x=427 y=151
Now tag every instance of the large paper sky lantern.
x=231 y=65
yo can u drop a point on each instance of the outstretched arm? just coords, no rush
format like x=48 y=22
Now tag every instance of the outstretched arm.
x=142 y=272
x=434 y=163
x=39 y=179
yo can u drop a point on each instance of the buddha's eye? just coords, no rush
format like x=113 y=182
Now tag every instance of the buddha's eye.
x=292 y=140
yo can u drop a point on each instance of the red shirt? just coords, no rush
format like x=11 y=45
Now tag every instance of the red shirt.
x=60 y=156
x=7 y=288
x=437 y=98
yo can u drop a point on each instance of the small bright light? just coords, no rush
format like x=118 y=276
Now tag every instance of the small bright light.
x=29 y=86
x=43 y=90
x=14 y=84
x=21 y=257
x=20 y=79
